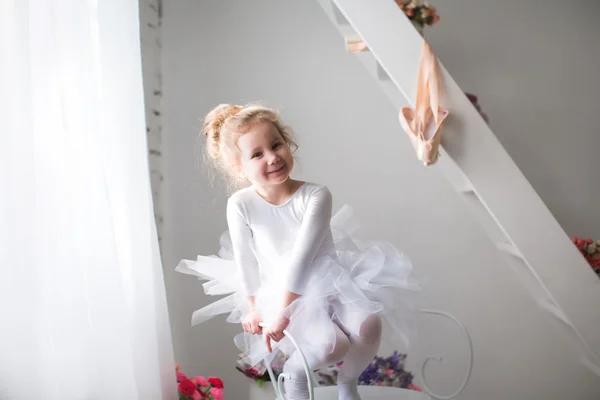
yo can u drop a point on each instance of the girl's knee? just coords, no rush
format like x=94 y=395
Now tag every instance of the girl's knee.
x=342 y=346
x=371 y=329
x=318 y=358
x=294 y=366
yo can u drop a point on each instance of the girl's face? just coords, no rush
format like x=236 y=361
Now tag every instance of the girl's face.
x=265 y=158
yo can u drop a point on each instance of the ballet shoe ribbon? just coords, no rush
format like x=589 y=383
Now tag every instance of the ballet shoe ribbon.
x=423 y=123
x=354 y=44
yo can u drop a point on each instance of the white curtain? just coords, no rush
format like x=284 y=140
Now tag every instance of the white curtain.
x=82 y=301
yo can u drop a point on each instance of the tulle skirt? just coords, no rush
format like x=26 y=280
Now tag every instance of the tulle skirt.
x=345 y=288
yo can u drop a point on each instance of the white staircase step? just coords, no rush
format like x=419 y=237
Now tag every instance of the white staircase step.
x=381 y=74
x=509 y=248
x=478 y=166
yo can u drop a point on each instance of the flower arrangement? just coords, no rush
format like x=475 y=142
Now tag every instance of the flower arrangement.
x=259 y=372
x=590 y=249
x=381 y=372
x=198 y=387
x=419 y=13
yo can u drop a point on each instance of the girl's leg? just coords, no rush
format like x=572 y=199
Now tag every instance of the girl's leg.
x=362 y=350
x=297 y=387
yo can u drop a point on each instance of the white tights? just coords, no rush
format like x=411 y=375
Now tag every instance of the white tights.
x=355 y=351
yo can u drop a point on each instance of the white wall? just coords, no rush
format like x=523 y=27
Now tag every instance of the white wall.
x=287 y=54
x=150 y=21
x=535 y=65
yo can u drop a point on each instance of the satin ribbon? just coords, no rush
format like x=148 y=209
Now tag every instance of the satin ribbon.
x=423 y=123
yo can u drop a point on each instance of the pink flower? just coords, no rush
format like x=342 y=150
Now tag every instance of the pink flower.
x=388 y=372
x=196 y=395
x=181 y=376
x=200 y=380
x=216 y=382
x=217 y=393
x=412 y=386
x=187 y=388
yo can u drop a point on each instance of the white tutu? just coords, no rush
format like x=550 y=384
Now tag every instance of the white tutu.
x=360 y=280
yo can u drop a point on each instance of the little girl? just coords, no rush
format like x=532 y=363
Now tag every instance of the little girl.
x=287 y=263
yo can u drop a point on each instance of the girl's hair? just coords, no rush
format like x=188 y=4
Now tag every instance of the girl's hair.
x=223 y=126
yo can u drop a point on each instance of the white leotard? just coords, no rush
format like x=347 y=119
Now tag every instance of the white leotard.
x=277 y=243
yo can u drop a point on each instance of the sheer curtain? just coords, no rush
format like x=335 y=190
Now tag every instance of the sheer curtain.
x=82 y=300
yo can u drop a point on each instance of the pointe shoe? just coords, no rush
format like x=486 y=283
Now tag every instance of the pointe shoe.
x=424 y=134
x=423 y=124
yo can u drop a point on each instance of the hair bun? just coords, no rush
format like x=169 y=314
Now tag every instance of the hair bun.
x=213 y=122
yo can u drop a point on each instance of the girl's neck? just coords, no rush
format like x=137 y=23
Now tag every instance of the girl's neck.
x=280 y=193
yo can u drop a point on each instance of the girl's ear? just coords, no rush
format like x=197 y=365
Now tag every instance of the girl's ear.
x=237 y=167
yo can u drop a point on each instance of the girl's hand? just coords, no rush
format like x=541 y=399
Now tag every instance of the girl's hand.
x=250 y=323
x=275 y=331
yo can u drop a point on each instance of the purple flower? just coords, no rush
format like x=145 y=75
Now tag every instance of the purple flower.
x=370 y=374
x=387 y=372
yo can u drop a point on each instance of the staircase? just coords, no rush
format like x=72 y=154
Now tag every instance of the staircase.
x=479 y=168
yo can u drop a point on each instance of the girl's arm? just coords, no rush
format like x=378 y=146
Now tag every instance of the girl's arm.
x=288 y=298
x=251 y=303
x=241 y=235
x=315 y=228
